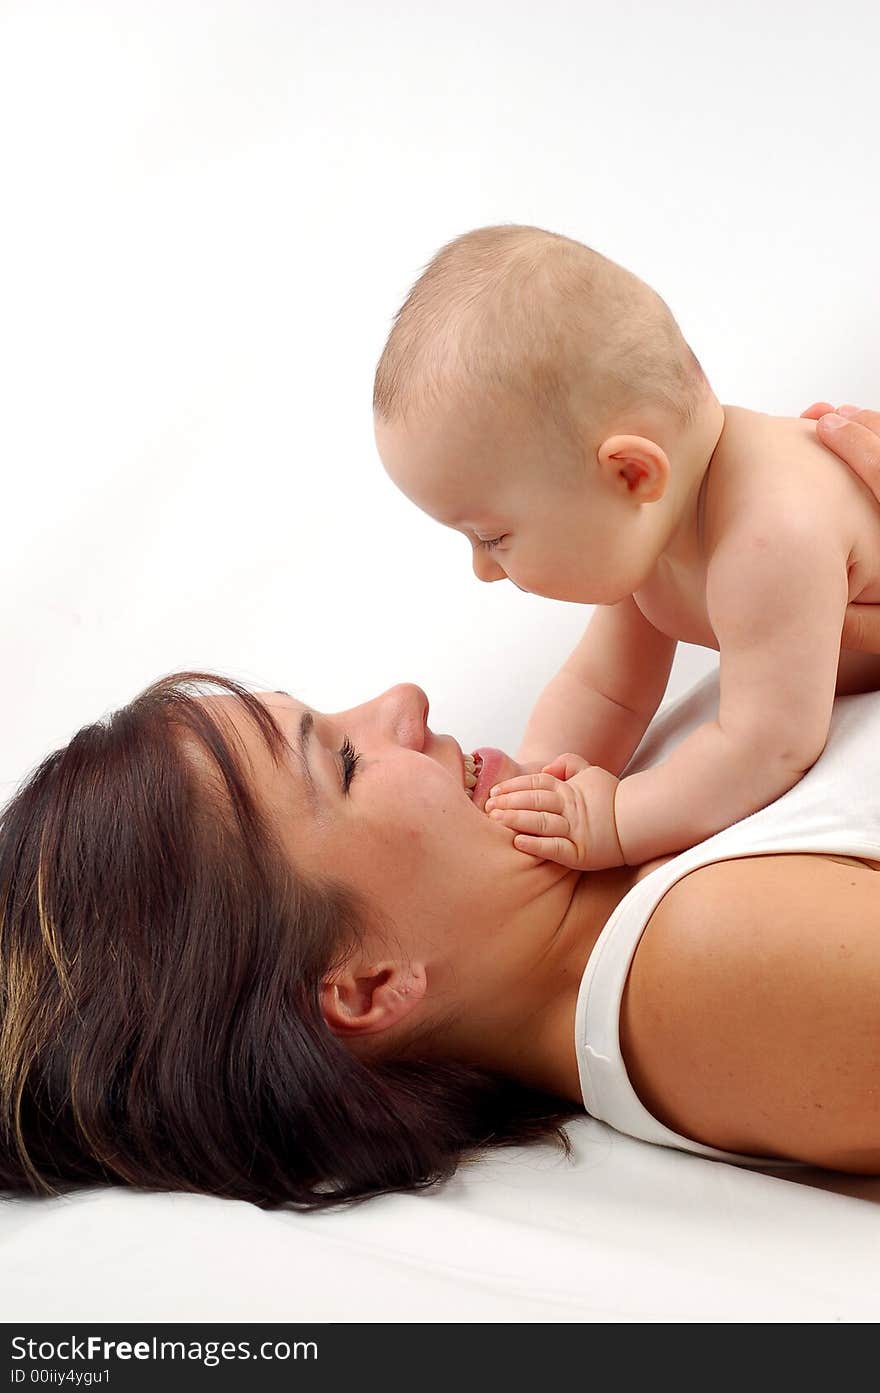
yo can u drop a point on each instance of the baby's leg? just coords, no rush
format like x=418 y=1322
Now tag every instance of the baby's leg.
x=857 y=672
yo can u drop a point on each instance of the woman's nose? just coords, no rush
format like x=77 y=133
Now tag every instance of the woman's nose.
x=485 y=568
x=399 y=715
x=405 y=713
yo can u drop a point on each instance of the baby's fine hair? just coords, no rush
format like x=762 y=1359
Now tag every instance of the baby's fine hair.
x=519 y=310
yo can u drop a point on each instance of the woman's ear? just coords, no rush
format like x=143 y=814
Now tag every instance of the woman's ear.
x=635 y=464
x=360 y=1000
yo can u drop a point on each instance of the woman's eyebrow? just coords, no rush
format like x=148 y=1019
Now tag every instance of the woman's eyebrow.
x=301 y=750
x=306 y=726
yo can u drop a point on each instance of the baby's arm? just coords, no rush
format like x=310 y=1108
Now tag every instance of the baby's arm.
x=776 y=601
x=601 y=701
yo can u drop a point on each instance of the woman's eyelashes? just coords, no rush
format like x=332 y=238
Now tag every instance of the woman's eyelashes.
x=350 y=758
x=489 y=542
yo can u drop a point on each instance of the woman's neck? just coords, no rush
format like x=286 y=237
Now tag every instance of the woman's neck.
x=523 y=1024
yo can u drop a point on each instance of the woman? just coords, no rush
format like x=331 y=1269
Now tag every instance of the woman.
x=268 y=954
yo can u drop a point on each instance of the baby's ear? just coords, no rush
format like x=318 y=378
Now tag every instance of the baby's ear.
x=637 y=465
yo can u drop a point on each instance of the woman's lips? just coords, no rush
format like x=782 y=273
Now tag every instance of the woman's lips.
x=496 y=765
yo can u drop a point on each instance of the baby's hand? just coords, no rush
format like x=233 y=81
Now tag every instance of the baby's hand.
x=565 y=813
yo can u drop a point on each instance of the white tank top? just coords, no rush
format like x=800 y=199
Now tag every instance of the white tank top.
x=835 y=808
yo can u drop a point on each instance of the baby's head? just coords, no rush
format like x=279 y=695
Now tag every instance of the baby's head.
x=542 y=400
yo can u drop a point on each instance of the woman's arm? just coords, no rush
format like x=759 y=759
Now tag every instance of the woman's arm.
x=854 y=435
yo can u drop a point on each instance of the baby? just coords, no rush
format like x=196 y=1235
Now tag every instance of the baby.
x=542 y=400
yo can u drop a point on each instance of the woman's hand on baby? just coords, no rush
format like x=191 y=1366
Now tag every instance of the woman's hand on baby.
x=854 y=435
x=564 y=813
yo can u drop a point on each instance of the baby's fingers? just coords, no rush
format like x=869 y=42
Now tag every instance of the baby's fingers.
x=523 y=782
x=541 y=825
x=546 y=800
x=558 y=849
x=565 y=766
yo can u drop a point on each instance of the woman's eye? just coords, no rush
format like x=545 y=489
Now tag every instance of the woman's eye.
x=489 y=543
x=350 y=758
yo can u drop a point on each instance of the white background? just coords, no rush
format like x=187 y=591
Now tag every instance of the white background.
x=210 y=213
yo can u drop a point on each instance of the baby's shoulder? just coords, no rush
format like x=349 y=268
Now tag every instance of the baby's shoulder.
x=771 y=474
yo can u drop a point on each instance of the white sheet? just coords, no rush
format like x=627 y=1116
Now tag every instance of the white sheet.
x=625 y=1232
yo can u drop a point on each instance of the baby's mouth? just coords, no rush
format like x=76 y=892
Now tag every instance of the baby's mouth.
x=472 y=766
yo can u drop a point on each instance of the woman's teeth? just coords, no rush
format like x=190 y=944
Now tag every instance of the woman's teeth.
x=472 y=766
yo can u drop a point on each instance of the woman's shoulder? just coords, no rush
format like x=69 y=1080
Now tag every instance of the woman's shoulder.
x=749 y=1016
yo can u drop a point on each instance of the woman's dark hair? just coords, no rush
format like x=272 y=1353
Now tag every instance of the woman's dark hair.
x=160 y=970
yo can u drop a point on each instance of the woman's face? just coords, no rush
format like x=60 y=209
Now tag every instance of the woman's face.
x=372 y=797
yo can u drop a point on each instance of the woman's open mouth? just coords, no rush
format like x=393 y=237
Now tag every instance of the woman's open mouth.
x=489 y=765
x=472 y=765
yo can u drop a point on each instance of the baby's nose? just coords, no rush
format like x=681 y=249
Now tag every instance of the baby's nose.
x=485 y=568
